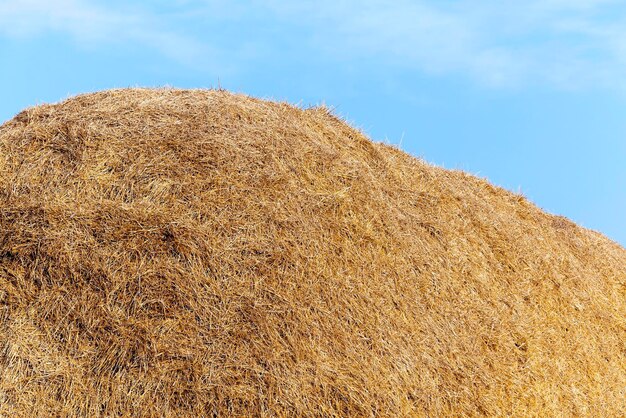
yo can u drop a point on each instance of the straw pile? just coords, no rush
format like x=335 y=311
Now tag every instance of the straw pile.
x=199 y=253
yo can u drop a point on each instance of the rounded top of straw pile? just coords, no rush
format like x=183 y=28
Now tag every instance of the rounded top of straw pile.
x=199 y=253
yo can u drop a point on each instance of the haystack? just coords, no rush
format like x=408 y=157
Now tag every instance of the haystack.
x=200 y=253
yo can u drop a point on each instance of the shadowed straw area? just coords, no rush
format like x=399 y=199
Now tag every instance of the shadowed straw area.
x=200 y=253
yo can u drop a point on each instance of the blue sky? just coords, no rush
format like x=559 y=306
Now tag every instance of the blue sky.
x=531 y=95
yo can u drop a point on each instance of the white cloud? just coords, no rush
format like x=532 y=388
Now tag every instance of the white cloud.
x=30 y=17
x=564 y=43
x=568 y=43
x=89 y=23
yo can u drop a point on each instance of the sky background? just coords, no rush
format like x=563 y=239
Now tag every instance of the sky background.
x=530 y=95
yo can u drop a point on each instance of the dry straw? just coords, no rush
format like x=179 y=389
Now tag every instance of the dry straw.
x=199 y=253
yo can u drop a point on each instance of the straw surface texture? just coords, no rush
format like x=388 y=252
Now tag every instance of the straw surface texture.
x=200 y=253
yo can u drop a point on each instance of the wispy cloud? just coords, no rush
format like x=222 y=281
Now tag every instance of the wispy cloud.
x=90 y=23
x=563 y=43
x=568 y=43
